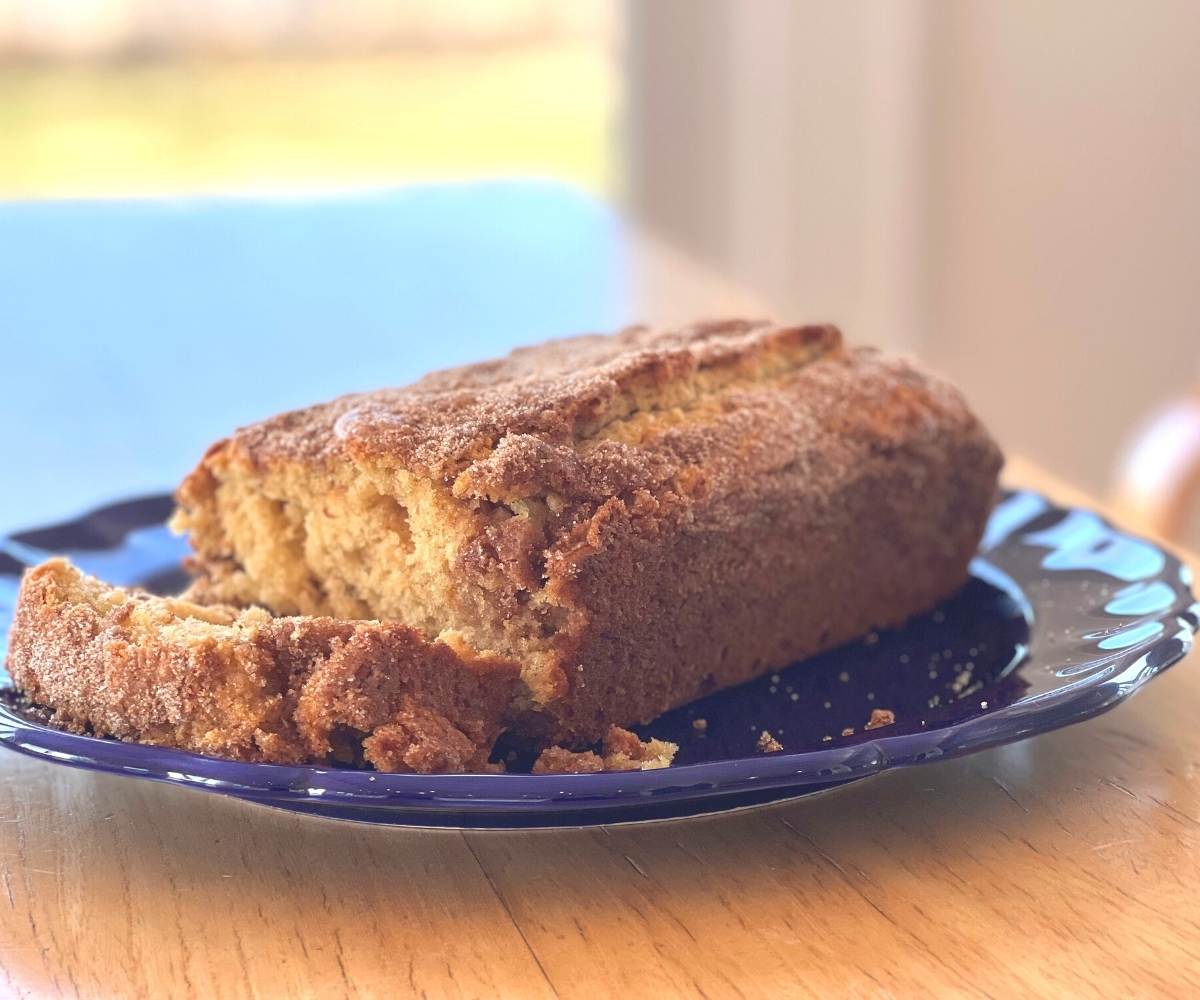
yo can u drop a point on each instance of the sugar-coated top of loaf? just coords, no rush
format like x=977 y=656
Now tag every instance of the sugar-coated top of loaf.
x=594 y=416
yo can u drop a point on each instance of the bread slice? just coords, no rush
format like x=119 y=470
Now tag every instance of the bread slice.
x=243 y=684
x=636 y=519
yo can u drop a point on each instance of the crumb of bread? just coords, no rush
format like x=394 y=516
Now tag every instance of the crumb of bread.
x=559 y=760
x=621 y=751
x=848 y=731
x=880 y=717
x=767 y=743
x=700 y=725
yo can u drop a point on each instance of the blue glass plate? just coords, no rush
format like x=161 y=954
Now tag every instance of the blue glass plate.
x=1064 y=616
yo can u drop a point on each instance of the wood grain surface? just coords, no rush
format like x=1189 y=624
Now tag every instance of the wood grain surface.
x=1067 y=865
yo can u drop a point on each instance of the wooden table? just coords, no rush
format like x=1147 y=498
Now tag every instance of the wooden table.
x=1067 y=865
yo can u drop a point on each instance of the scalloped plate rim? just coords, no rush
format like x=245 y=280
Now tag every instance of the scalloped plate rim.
x=406 y=797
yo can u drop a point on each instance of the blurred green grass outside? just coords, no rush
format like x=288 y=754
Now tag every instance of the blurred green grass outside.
x=213 y=125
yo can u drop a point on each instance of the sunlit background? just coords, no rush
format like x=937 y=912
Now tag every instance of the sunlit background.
x=110 y=97
x=1006 y=189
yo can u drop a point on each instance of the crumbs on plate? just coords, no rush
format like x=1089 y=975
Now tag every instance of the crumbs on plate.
x=880 y=717
x=767 y=743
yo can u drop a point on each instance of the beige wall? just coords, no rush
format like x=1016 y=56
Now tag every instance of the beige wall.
x=1010 y=189
x=1067 y=239
x=741 y=146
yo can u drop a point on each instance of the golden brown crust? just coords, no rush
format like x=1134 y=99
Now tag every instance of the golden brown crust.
x=245 y=685
x=559 y=392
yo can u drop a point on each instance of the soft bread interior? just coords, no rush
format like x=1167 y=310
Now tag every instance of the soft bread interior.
x=384 y=546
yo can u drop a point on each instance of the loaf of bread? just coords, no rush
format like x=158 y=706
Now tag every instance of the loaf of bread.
x=247 y=685
x=636 y=520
